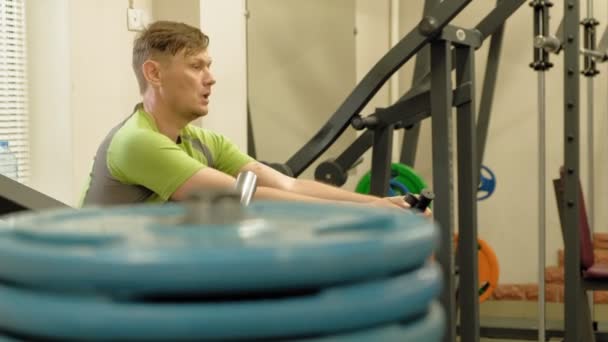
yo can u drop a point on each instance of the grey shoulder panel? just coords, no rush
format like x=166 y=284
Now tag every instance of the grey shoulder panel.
x=204 y=149
x=104 y=189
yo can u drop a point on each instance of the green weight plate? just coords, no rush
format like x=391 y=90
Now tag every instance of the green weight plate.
x=405 y=175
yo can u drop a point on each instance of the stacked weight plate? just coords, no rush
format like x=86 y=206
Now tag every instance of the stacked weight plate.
x=281 y=271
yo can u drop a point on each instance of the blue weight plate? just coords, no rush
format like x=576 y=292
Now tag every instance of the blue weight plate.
x=330 y=311
x=429 y=328
x=147 y=250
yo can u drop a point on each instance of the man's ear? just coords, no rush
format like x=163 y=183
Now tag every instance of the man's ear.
x=151 y=70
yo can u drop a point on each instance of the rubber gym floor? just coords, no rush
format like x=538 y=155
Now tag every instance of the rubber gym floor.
x=524 y=313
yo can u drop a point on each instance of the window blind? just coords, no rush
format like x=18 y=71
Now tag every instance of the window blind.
x=13 y=83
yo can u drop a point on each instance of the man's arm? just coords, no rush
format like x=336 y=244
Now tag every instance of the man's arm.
x=232 y=161
x=209 y=178
x=271 y=178
x=274 y=185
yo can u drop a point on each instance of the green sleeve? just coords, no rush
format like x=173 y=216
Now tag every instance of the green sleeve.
x=229 y=158
x=151 y=160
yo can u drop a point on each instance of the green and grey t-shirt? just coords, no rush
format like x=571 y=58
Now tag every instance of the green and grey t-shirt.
x=136 y=163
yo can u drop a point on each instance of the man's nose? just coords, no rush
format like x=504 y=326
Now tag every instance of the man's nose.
x=209 y=79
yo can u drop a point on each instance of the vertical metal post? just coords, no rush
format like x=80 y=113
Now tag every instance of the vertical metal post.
x=409 y=146
x=250 y=136
x=441 y=109
x=541 y=63
x=590 y=70
x=488 y=90
x=587 y=318
x=590 y=154
x=468 y=176
x=573 y=284
x=542 y=175
x=381 y=159
x=251 y=150
x=487 y=95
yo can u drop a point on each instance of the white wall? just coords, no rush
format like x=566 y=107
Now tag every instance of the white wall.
x=104 y=88
x=374 y=23
x=81 y=86
x=225 y=23
x=372 y=42
x=186 y=11
x=50 y=92
x=301 y=68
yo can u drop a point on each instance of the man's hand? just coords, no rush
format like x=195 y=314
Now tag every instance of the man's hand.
x=391 y=202
x=397 y=202
x=428 y=213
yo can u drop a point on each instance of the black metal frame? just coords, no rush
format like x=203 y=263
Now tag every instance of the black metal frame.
x=468 y=176
x=589 y=44
x=413 y=107
x=578 y=318
x=433 y=93
x=574 y=290
x=578 y=323
x=452 y=49
x=18 y=197
x=488 y=90
x=403 y=51
x=441 y=109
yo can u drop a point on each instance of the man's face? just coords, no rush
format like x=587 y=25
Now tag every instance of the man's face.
x=186 y=84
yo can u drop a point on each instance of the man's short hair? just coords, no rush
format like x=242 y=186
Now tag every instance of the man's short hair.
x=163 y=38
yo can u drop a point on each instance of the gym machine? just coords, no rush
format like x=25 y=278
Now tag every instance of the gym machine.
x=407 y=114
x=16 y=197
x=579 y=324
x=450 y=48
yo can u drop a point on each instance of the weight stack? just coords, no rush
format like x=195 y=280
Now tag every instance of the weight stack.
x=276 y=271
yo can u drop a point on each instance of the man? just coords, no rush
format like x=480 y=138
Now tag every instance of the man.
x=155 y=155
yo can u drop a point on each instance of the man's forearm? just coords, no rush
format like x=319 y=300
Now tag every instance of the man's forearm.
x=266 y=193
x=316 y=189
x=310 y=191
